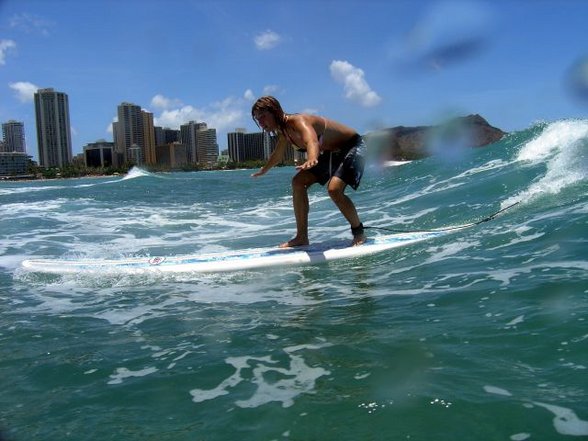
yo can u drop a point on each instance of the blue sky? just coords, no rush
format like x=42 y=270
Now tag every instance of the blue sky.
x=367 y=63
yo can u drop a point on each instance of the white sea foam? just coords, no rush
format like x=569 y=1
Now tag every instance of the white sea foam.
x=520 y=436
x=497 y=391
x=556 y=137
x=490 y=165
x=52 y=185
x=294 y=380
x=566 y=421
x=563 y=147
x=449 y=249
x=25 y=190
x=518 y=320
x=521 y=238
x=505 y=276
x=21 y=209
x=122 y=374
x=136 y=172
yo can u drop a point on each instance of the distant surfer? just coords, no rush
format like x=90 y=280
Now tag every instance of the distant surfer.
x=334 y=156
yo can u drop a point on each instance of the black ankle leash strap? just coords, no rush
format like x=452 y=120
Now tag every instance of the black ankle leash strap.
x=357 y=231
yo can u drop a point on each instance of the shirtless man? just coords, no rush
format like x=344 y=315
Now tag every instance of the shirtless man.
x=334 y=156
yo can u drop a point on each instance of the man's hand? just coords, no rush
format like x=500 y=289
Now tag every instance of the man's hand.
x=260 y=172
x=308 y=164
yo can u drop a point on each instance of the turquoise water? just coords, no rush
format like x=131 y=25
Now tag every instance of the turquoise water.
x=481 y=334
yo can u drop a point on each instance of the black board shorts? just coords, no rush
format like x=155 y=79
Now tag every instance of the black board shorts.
x=347 y=164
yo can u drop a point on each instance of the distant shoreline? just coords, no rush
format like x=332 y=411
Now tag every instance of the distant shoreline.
x=32 y=178
x=36 y=178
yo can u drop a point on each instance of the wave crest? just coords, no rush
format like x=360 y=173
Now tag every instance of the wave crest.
x=136 y=172
x=563 y=147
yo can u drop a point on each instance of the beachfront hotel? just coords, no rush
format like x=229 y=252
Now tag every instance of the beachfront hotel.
x=53 y=128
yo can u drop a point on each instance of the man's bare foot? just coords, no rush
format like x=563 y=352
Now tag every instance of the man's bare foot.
x=359 y=237
x=296 y=242
x=358 y=240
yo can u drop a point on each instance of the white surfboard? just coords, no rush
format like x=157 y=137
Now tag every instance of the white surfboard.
x=234 y=260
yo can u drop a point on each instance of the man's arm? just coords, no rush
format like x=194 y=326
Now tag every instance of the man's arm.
x=275 y=158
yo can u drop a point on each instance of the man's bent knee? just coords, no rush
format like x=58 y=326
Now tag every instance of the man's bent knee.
x=337 y=194
x=303 y=180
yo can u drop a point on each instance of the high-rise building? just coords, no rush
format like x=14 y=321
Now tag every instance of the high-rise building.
x=134 y=135
x=236 y=142
x=14 y=137
x=53 y=128
x=207 y=147
x=201 y=142
x=149 y=138
x=253 y=146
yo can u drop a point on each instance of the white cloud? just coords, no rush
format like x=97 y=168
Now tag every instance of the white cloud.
x=354 y=84
x=267 y=40
x=25 y=91
x=174 y=118
x=270 y=89
x=5 y=46
x=249 y=95
x=223 y=115
x=228 y=114
x=161 y=102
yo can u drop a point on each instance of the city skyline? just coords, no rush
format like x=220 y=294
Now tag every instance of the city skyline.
x=135 y=128
x=21 y=124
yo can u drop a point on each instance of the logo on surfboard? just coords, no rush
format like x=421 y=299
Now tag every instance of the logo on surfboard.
x=156 y=260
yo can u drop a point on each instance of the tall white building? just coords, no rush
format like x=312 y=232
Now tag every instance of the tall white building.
x=53 y=128
x=14 y=137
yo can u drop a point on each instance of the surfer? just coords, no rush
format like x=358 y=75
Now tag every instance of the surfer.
x=334 y=156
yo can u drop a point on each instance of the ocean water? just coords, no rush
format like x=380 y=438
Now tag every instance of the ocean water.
x=478 y=335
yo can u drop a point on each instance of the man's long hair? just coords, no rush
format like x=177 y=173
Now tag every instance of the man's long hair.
x=272 y=105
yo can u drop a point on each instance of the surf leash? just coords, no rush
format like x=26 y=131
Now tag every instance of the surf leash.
x=458 y=227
